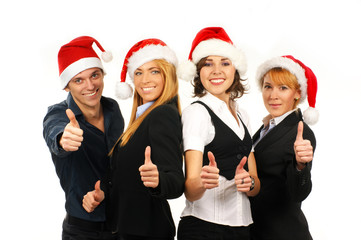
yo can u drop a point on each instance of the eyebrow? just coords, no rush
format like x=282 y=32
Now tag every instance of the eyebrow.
x=151 y=68
x=222 y=59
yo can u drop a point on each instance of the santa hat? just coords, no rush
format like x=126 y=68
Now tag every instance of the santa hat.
x=212 y=41
x=142 y=52
x=77 y=56
x=305 y=77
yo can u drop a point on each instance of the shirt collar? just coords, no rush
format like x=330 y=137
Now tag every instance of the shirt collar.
x=217 y=104
x=267 y=120
x=142 y=108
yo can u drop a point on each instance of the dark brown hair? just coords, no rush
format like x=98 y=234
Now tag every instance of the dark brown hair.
x=237 y=89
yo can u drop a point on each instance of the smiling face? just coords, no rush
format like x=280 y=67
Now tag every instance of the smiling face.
x=278 y=98
x=148 y=81
x=217 y=76
x=86 y=88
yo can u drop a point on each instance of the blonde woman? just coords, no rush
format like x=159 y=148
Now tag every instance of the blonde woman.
x=146 y=162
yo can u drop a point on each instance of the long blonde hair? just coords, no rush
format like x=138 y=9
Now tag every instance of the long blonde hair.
x=170 y=91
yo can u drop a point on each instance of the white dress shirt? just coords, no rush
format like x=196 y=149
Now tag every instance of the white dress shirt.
x=222 y=205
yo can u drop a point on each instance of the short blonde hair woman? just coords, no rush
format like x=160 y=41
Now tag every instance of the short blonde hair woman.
x=283 y=148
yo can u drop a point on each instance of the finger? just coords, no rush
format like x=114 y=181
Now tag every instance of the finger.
x=147 y=159
x=212 y=160
x=241 y=165
x=75 y=130
x=299 y=136
x=72 y=118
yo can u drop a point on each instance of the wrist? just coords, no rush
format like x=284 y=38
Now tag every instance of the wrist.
x=253 y=183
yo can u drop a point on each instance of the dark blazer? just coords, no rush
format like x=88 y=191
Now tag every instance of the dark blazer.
x=134 y=209
x=276 y=210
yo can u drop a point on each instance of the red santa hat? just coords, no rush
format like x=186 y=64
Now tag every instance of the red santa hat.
x=212 y=41
x=141 y=53
x=77 y=56
x=305 y=77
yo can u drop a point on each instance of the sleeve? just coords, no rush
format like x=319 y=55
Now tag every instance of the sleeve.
x=299 y=183
x=53 y=127
x=165 y=135
x=196 y=123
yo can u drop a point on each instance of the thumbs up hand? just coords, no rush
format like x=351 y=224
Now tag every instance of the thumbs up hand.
x=72 y=136
x=148 y=171
x=302 y=148
x=242 y=178
x=92 y=199
x=210 y=173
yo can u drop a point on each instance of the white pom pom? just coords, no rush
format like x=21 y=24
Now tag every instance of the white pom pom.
x=123 y=90
x=186 y=71
x=311 y=115
x=107 y=56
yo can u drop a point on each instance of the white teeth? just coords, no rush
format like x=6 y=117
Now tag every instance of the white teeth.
x=217 y=80
x=148 y=89
x=90 y=94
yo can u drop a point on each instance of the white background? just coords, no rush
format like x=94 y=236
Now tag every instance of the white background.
x=323 y=34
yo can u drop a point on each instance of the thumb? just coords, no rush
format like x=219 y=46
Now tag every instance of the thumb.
x=300 y=131
x=72 y=118
x=212 y=160
x=241 y=165
x=147 y=159
x=97 y=190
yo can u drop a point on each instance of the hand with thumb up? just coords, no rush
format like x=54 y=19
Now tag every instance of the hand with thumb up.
x=302 y=148
x=242 y=178
x=148 y=171
x=210 y=173
x=72 y=136
x=92 y=199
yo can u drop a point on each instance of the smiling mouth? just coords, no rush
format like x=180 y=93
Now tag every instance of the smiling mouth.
x=217 y=81
x=91 y=94
x=148 y=89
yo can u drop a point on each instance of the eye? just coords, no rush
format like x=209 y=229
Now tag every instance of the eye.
x=137 y=73
x=78 y=80
x=284 y=87
x=226 y=63
x=267 y=86
x=155 y=72
x=207 y=64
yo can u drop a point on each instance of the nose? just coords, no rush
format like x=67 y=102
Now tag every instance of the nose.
x=144 y=77
x=216 y=69
x=89 y=84
x=274 y=94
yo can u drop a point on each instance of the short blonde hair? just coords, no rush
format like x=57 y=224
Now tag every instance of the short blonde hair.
x=282 y=76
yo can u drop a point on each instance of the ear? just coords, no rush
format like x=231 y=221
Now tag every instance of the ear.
x=67 y=89
x=298 y=94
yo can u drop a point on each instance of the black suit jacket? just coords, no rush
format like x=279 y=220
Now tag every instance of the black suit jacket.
x=133 y=208
x=276 y=210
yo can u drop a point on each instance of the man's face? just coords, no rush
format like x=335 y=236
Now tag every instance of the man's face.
x=86 y=88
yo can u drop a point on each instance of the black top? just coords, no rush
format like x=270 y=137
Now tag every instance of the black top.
x=134 y=209
x=276 y=210
x=78 y=171
x=227 y=148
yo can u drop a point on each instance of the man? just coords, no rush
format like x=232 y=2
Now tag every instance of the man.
x=80 y=132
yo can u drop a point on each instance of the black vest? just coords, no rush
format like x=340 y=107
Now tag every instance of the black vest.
x=227 y=148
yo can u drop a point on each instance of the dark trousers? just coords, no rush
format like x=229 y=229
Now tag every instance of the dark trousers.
x=192 y=228
x=132 y=237
x=79 y=229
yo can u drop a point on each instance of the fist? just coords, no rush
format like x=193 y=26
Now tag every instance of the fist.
x=73 y=135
